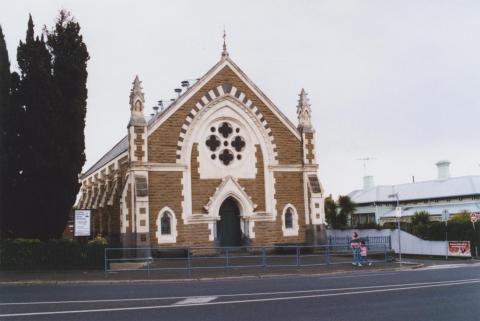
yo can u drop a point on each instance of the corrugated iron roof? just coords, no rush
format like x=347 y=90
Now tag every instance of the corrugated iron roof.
x=452 y=208
x=434 y=189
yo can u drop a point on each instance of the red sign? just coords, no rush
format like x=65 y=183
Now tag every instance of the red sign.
x=459 y=248
x=473 y=217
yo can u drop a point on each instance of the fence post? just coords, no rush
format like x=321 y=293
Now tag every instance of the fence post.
x=227 y=259
x=148 y=267
x=385 y=252
x=264 y=259
x=105 y=266
x=189 y=263
x=298 y=255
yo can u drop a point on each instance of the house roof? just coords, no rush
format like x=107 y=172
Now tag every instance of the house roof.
x=122 y=146
x=434 y=189
x=437 y=209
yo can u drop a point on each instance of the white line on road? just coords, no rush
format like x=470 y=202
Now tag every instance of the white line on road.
x=447 y=266
x=231 y=295
x=241 y=301
x=197 y=299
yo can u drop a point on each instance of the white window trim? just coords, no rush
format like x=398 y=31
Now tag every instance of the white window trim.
x=294 y=230
x=172 y=237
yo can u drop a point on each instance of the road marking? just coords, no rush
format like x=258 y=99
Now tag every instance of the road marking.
x=234 y=294
x=448 y=266
x=197 y=299
x=240 y=301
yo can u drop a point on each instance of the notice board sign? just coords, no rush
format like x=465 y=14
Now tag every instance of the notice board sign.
x=459 y=248
x=82 y=223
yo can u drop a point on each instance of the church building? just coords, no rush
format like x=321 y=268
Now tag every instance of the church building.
x=220 y=166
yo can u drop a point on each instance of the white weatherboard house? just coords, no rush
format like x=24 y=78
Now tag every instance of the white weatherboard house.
x=454 y=194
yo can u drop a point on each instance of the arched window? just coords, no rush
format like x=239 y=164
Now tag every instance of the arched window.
x=289 y=221
x=165 y=224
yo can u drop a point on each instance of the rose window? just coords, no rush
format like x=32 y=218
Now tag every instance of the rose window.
x=238 y=143
x=225 y=147
x=213 y=142
x=225 y=129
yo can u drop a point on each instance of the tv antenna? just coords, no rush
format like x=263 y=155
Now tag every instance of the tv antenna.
x=365 y=161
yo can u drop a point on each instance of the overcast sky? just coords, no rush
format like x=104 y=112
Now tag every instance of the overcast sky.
x=394 y=80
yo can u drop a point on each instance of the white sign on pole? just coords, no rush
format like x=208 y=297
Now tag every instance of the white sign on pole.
x=398 y=211
x=473 y=217
x=82 y=223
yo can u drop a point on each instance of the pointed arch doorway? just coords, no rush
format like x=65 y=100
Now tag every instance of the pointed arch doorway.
x=228 y=228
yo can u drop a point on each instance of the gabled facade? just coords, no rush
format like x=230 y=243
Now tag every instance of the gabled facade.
x=221 y=166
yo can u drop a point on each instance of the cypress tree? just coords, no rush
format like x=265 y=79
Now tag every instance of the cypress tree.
x=38 y=148
x=4 y=103
x=70 y=58
x=42 y=119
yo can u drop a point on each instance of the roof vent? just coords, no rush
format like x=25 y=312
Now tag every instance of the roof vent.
x=443 y=167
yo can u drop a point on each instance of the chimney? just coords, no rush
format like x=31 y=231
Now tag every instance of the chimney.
x=443 y=169
x=368 y=182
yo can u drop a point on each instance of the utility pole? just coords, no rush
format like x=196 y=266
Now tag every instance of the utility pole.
x=445 y=217
x=398 y=214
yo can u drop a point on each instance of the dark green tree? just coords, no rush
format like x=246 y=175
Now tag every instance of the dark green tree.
x=421 y=217
x=4 y=104
x=70 y=58
x=331 y=211
x=38 y=150
x=347 y=208
x=43 y=128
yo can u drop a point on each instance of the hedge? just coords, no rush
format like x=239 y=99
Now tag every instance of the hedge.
x=54 y=254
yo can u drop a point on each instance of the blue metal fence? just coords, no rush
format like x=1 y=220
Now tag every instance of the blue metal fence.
x=201 y=258
x=369 y=240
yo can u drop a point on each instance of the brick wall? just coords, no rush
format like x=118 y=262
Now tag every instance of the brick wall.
x=288 y=189
x=166 y=190
x=162 y=144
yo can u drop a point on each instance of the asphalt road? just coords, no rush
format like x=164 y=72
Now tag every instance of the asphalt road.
x=434 y=293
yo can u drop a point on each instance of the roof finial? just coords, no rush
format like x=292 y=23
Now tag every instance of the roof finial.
x=304 y=111
x=224 y=52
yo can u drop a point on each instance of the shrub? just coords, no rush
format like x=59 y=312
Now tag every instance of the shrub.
x=58 y=254
x=422 y=217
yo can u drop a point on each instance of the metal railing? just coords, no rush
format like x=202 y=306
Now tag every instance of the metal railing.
x=203 y=258
x=369 y=240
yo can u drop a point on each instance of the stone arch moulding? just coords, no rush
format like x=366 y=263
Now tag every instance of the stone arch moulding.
x=231 y=188
x=172 y=237
x=240 y=99
x=294 y=230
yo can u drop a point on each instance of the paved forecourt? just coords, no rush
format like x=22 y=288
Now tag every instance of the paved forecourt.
x=450 y=293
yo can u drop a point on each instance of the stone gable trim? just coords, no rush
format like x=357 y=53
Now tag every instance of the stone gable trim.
x=204 y=100
x=231 y=91
x=230 y=188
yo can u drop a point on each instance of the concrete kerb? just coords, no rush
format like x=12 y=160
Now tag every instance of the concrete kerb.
x=406 y=266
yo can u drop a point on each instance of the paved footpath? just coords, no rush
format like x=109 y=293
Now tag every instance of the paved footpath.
x=449 y=292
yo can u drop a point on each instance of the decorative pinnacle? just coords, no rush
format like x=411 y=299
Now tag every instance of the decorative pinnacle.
x=137 y=100
x=304 y=111
x=224 y=52
x=136 y=90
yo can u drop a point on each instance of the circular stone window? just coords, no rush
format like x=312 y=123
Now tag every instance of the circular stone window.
x=226 y=146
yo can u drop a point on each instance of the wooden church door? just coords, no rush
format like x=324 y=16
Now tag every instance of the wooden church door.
x=228 y=228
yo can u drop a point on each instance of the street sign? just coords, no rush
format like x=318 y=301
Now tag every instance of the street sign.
x=473 y=217
x=398 y=212
x=445 y=216
x=82 y=223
